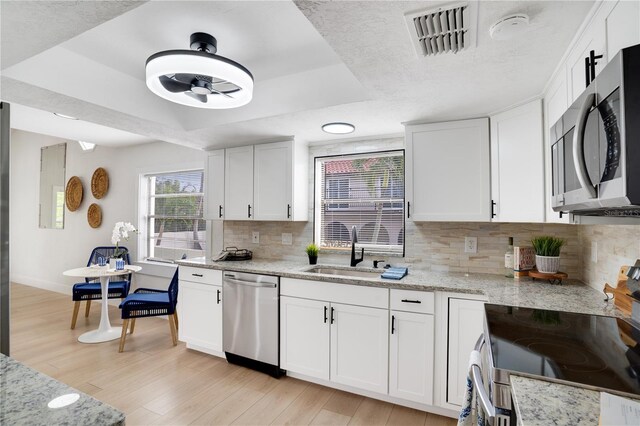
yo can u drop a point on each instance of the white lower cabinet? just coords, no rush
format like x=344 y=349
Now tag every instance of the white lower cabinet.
x=304 y=336
x=466 y=319
x=200 y=313
x=411 y=349
x=359 y=346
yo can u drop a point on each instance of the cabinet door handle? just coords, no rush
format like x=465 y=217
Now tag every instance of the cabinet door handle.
x=197 y=275
x=332 y=315
x=325 y=314
x=411 y=301
x=218 y=296
x=288 y=211
x=249 y=210
x=408 y=209
x=220 y=211
x=393 y=324
x=493 y=212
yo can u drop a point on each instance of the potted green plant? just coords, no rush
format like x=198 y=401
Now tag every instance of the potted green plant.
x=312 y=252
x=547 y=250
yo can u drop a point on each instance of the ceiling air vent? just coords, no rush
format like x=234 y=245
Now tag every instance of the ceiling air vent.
x=447 y=29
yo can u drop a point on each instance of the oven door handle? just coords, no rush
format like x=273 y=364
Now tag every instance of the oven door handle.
x=578 y=146
x=478 y=384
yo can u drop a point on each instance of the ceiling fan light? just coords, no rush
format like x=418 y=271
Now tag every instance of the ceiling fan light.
x=338 y=128
x=199 y=63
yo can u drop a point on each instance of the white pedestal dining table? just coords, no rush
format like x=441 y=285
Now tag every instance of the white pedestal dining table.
x=104 y=332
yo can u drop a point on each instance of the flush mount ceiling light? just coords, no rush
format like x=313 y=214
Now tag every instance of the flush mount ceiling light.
x=338 y=128
x=509 y=27
x=68 y=117
x=198 y=77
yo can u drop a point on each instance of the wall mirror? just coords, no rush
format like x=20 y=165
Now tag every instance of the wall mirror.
x=52 y=175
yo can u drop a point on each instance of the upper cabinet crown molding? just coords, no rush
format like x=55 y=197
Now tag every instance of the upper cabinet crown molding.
x=448 y=171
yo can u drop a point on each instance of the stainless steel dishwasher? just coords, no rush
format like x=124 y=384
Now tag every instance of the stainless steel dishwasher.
x=251 y=329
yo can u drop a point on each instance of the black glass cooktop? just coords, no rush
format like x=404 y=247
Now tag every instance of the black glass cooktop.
x=589 y=349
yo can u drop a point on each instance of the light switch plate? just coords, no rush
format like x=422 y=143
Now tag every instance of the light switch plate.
x=470 y=244
x=255 y=237
x=287 y=239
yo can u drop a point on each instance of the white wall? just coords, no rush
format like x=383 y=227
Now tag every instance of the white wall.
x=39 y=256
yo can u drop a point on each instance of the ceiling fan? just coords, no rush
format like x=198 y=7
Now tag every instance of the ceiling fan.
x=198 y=77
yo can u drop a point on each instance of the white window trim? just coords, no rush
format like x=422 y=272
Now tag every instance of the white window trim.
x=142 y=211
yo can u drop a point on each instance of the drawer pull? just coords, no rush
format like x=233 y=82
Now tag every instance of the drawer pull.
x=325 y=314
x=218 y=297
x=393 y=324
x=197 y=275
x=411 y=301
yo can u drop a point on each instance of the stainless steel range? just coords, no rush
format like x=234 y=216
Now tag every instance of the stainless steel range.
x=597 y=352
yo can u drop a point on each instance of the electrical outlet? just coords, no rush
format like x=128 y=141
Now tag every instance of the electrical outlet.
x=594 y=252
x=470 y=244
x=287 y=239
x=255 y=237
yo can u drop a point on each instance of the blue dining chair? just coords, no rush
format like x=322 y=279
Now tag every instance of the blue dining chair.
x=149 y=302
x=91 y=290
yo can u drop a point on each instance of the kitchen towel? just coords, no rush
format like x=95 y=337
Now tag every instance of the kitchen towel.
x=396 y=273
x=471 y=415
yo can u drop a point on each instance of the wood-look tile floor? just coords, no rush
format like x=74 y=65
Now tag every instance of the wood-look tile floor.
x=153 y=382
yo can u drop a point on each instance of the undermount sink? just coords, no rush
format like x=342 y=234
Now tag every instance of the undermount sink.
x=327 y=270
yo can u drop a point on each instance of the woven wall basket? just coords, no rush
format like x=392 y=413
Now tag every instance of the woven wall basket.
x=73 y=193
x=94 y=215
x=99 y=183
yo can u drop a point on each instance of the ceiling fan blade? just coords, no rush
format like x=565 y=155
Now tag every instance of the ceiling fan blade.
x=174 y=86
x=201 y=98
x=221 y=93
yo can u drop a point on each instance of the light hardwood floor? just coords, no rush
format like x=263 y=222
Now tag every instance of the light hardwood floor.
x=153 y=382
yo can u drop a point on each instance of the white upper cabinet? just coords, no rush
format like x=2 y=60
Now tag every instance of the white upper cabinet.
x=447 y=170
x=623 y=26
x=592 y=39
x=238 y=185
x=517 y=164
x=280 y=181
x=214 y=177
x=259 y=182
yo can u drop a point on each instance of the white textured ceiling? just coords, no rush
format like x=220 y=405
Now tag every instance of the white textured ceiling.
x=313 y=62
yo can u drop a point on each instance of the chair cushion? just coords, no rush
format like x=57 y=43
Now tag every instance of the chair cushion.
x=146 y=299
x=115 y=287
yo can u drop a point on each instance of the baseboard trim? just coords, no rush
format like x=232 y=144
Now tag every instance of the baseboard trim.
x=51 y=286
x=43 y=284
x=422 y=407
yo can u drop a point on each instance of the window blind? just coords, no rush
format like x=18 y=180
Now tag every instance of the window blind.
x=175 y=224
x=365 y=191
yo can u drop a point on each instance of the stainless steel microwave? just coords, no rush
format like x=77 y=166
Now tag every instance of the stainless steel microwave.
x=595 y=146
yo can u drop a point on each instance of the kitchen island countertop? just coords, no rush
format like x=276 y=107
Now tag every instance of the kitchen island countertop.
x=570 y=296
x=25 y=393
x=538 y=402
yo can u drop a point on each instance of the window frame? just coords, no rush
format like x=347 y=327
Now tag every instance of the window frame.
x=317 y=198
x=144 y=208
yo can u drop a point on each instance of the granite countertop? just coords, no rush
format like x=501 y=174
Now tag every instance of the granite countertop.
x=25 y=393
x=545 y=403
x=570 y=296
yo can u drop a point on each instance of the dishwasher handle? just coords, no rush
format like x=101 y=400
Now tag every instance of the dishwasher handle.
x=478 y=384
x=249 y=283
